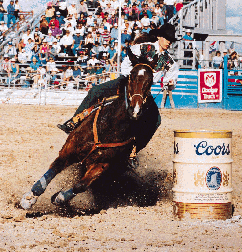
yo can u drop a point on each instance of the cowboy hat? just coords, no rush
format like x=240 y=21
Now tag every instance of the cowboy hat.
x=166 y=31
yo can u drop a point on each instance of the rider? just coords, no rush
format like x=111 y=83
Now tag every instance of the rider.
x=150 y=49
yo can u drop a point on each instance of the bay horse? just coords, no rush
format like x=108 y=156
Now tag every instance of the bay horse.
x=103 y=139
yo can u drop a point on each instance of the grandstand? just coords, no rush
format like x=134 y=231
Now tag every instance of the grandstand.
x=71 y=65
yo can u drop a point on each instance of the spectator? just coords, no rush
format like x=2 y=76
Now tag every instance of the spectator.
x=146 y=29
x=77 y=74
x=145 y=21
x=188 y=35
x=54 y=78
x=167 y=90
x=34 y=65
x=63 y=9
x=67 y=43
x=67 y=77
x=233 y=61
x=35 y=52
x=11 y=16
x=96 y=49
x=99 y=19
x=2 y=11
x=36 y=30
x=83 y=8
x=14 y=71
x=81 y=29
x=27 y=35
x=217 y=61
x=60 y=19
x=107 y=66
x=106 y=36
x=125 y=37
x=54 y=22
x=72 y=10
x=89 y=41
x=49 y=38
x=39 y=76
x=123 y=53
x=82 y=20
x=28 y=48
x=50 y=12
x=44 y=49
x=10 y=49
x=113 y=20
x=50 y=64
x=90 y=19
x=111 y=52
x=155 y=20
x=72 y=20
x=93 y=60
x=106 y=24
x=44 y=25
x=3 y=27
x=54 y=31
x=21 y=45
x=52 y=51
x=22 y=56
x=77 y=42
x=37 y=39
x=103 y=59
x=17 y=9
x=169 y=8
x=82 y=60
x=114 y=32
x=6 y=66
x=56 y=46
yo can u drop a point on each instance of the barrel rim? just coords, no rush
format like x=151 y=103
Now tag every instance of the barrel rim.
x=203 y=133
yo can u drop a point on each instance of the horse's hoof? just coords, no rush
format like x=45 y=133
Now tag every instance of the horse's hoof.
x=58 y=199
x=28 y=200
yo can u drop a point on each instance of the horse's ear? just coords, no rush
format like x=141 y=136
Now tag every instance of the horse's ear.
x=134 y=60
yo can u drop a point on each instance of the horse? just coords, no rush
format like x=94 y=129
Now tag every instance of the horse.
x=104 y=139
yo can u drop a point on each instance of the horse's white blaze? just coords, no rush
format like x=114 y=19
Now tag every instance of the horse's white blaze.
x=141 y=72
x=136 y=109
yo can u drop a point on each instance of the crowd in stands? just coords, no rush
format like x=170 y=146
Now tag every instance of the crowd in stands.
x=74 y=34
x=78 y=43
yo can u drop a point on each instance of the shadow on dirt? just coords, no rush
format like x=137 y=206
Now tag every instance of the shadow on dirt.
x=114 y=189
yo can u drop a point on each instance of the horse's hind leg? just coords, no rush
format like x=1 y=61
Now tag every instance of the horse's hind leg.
x=39 y=187
x=92 y=174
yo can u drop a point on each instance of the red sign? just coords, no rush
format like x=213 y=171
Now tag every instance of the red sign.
x=209 y=85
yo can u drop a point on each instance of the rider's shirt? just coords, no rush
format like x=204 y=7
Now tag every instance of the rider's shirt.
x=165 y=66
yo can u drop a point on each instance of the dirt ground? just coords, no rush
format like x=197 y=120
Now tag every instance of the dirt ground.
x=133 y=213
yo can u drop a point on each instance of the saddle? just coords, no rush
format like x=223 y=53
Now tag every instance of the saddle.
x=77 y=119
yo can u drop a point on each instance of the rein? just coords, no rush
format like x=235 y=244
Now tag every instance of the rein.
x=98 y=144
x=131 y=97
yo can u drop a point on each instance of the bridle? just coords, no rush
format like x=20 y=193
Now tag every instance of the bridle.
x=131 y=97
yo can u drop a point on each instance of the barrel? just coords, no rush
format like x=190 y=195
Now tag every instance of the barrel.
x=202 y=174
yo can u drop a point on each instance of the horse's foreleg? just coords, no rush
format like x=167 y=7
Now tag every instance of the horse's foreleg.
x=91 y=175
x=39 y=187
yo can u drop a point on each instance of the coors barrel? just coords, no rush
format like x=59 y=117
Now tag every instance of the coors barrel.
x=202 y=174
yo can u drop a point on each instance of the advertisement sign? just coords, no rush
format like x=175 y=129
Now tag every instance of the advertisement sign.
x=209 y=85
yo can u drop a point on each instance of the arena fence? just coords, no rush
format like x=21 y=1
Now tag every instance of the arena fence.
x=186 y=93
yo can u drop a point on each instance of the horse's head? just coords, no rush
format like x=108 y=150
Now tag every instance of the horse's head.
x=138 y=88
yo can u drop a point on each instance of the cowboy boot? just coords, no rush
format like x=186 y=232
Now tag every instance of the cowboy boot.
x=67 y=127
